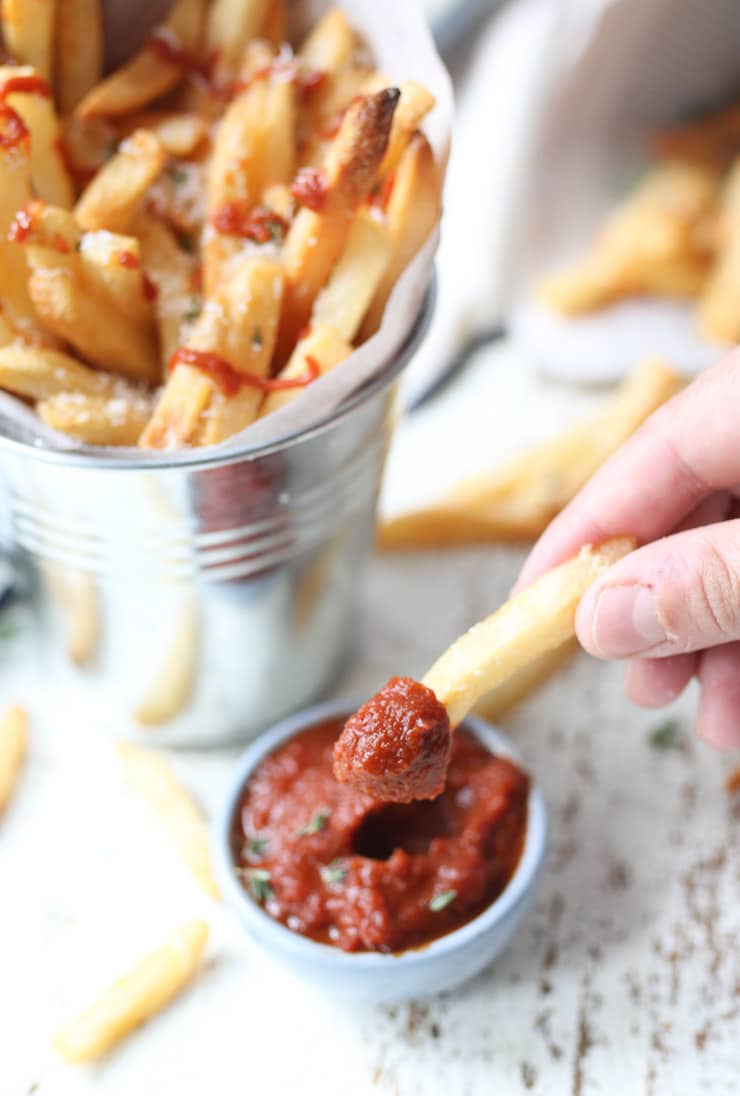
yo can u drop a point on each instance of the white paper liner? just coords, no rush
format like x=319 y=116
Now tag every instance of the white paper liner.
x=623 y=69
x=402 y=47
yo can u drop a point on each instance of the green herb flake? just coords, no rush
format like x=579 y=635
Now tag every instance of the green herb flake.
x=186 y=243
x=179 y=175
x=442 y=901
x=255 y=846
x=193 y=310
x=334 y=872
x=665 y=736
x=317 y=823
x=260 y=883
x=257 y=339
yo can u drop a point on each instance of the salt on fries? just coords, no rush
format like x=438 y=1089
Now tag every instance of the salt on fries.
x=151 y=777
x=209 y=228
x=526 y=681
x=13 y=744
x=145 y=990
x=535 y=621
x=518 y=501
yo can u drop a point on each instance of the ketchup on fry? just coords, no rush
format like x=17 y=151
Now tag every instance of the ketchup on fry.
x=310 y=188
x=231 y=381
x=259 y=224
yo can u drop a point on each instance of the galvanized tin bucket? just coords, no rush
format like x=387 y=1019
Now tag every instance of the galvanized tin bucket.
x=196 y=599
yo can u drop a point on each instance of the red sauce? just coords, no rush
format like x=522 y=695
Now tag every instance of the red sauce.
x=148 y=288
x=129 y=260
x=30 y=84
x=22 y=225
x=59 y=243
x=336 y=865
x=259 y=224
x=13 y=130
x=310 y=188
x=170 y=49
x=231 y=380
x=287 y=67
x=396 y=747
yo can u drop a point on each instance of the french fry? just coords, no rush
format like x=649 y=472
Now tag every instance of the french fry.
x=112 y=263
x=518 y=502
x=177 y=304
x=330 y=44
x=180 y=134
x=655 y=242
x=316 y=238
x=77 y=69
x=28 y=31
x=274 y=26
x=413 y=106
x=344 y=300
x=49 y=174
x=719 y=317
x=172 y=686
x=413 y=211
x=230 y=26
x=98 y=420
x=712 y=139
x=86 y=145
x=322 y=345
x=525 y=682
x=145 y=990
x=253 y=149
x=112 y=199
x=153 y=780
x=13 y=745
x=243 y=337
x=540 y=618
x=148 y=74
x=76 y=596
x=39 y=373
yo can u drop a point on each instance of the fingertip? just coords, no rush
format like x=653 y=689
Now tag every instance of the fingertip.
x=718 y=720
x=585 y=614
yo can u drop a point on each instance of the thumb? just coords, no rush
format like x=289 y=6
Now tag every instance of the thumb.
x=678 y=594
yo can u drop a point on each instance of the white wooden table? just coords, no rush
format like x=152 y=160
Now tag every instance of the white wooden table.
x=625 y=979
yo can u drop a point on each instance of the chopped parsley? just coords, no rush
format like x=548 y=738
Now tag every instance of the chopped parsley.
x=257 y=339
x=334 y=872
x=317 y=823
x=192 y=311
x=665 y=736
x=442 y=901
x=255 y=846
x=260 y=883
x=186 y=243
x=179 y=175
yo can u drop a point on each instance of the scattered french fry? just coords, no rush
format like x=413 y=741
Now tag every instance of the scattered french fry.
x=76 y=597
x=536 y=620
x=145 y=990
x=13 y=745
x=519 y=501
x=77 y=70
x=112 y=199
x=172 y=686
x=151 y=778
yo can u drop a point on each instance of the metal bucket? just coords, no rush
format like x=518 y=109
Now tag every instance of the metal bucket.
x=197 y=599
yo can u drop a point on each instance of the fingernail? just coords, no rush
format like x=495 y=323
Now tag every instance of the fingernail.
x=625 y=622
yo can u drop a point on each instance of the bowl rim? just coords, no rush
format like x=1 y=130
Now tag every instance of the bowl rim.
x=303 y=947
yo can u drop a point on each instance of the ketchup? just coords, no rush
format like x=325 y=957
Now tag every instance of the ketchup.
x=259 y=224
x=13 y=130
x=30 y=83
x=231 y=380
x=22 y=225
x=148 y=288
x=128 y=260
x=310 y=188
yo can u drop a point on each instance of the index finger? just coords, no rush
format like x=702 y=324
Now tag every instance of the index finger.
x=688 y=449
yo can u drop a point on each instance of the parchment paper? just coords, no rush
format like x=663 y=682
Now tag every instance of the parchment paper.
x=402 y=46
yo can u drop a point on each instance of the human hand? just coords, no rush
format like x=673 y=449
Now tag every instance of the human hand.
x=672 y=607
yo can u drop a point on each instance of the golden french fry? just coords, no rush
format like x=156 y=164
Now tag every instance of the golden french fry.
x=76 y=596
x=718 y=311
x=413 y=211
x=713 y=139
x=346 y=297
x=655 y=242
x=49 y=175
x=151 y=778
x=39 y=373
x=172 y=271
x=15 y=193
x=324 y=347
x=180 y=134
x=330 y=44
x=28 y=32
x=230 y=25
x=112 y=199
x=145 y=990
x=520 y=500
x=78 y=53
x=274 y=27
x=13 y=745
x=316 y=238
x=86 y=144
x=526 y=681
x=413 y=106
x=149 y=73
x=98 y=420
x=524 y=628
x=112 y=263
x=172 y=686
x=243 y=337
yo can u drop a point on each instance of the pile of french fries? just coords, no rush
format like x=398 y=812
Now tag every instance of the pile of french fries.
x=676 y=235
x=188 y=242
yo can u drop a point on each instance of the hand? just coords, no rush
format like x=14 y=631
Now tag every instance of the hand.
x=673 y=606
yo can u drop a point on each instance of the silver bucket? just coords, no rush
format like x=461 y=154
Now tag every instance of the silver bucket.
x=196 y=599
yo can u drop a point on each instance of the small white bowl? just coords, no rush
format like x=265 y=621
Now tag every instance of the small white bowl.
x=370 y=976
